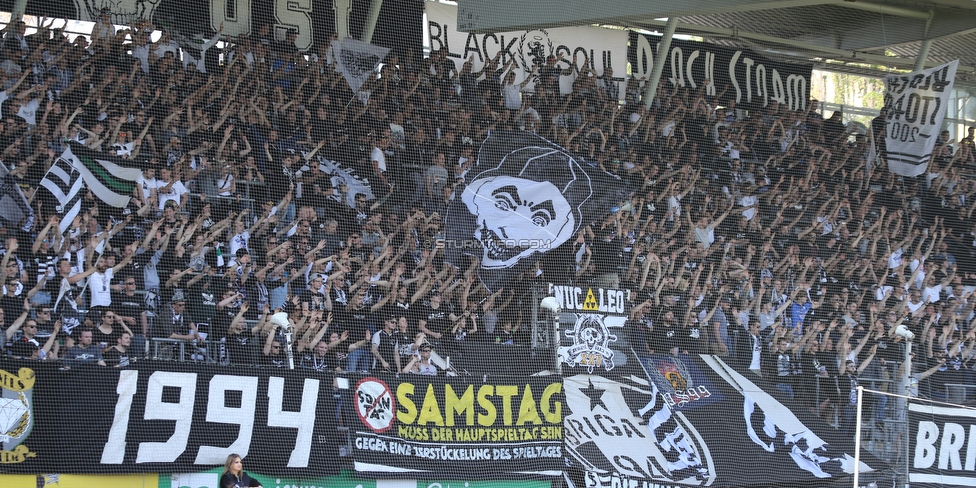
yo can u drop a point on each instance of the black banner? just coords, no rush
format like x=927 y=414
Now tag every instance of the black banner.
x=694 y=421
x=753 y=80
x=594 y=340
x=424 y=426
x=942 y=450
x=398 y=27
x=158 y=417
x=527 y=197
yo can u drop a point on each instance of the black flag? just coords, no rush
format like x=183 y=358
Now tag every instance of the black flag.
x=527 y=197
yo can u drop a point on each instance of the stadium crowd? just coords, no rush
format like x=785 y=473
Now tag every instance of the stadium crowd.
x=269 y=185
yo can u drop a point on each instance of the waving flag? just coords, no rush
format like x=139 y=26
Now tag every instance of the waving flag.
x=528 y=197
x=65 y=184
x=357 y=60
x=105 y=175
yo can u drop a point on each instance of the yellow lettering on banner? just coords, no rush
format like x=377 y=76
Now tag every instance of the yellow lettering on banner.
x=430 y=412
x=486 y=419
x=553 y=412
x=413 y=433
x=454 y=405
x=22 y=381
x=507 y=392
x=407 y=416
x=527 y=409
x=18 y=455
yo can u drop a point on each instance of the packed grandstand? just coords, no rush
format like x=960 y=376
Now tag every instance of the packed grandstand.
x=175 y=205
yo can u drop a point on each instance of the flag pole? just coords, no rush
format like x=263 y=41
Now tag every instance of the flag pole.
x=857 y=436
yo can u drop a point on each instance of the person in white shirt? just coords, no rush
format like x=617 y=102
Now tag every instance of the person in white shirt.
x=239 y=241
x=100 y=282
x=198 y=58
x=171 y=189
x=378 y=158
x=166 y=44
x=511 y=91
x=704 y=231
x=146 y=186
x=103 y=30
x=141 y=49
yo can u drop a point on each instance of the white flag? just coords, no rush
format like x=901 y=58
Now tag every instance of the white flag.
x=357 y=60
x=916 y=103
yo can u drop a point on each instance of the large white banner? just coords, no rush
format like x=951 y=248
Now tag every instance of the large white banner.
x=916 y=103
x=593 y=46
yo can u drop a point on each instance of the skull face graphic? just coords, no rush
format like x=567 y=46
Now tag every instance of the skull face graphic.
x=517 y=217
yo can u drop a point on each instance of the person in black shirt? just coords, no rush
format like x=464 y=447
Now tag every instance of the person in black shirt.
x=131 y=310
x=435 y=318
x=384 y=346
x=272 y=355
x=117 y=355
x=666 y=337
x=355 y=320
x=312 y=298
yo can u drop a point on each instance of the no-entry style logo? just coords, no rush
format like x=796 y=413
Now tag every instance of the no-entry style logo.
x=375 y=404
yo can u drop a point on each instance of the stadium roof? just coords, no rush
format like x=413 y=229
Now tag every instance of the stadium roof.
x=861 y=36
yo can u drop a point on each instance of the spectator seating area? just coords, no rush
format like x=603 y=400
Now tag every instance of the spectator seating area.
x=268 y=186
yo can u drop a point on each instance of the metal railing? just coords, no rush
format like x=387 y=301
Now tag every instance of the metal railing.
x=958 y=393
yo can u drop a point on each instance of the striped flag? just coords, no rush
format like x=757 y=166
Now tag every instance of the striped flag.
x=65 y=184
x=105 y=175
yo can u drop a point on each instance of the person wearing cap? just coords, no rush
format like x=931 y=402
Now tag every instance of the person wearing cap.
x=421 y=363
x=313 y=298
x=384 y=346
x=173 y=322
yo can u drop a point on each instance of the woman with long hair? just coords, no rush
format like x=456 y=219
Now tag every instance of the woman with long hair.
x=234 y=475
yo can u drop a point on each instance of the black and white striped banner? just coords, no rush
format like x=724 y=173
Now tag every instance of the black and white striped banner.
x=65 y=184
